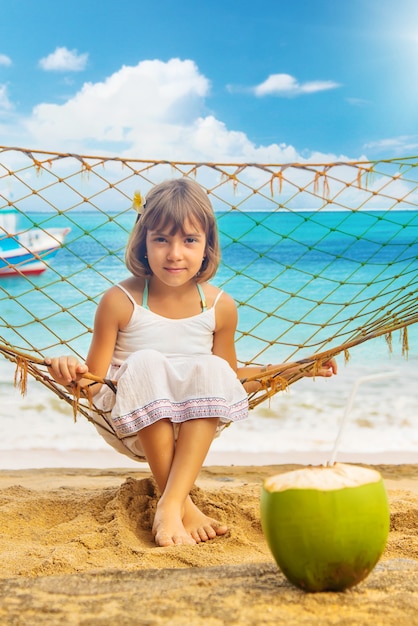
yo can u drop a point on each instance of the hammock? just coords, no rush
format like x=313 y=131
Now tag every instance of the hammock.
x=320 y=257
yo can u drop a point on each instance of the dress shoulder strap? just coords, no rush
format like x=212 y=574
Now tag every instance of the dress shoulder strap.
x=126 y=292
x=132 y=299
x=145 y=295
x=217 y=298
x=202 y=297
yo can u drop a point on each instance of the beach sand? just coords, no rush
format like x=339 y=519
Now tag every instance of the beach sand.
x=76 y=548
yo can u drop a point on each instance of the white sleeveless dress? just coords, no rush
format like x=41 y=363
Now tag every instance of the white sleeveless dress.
x=165 y=369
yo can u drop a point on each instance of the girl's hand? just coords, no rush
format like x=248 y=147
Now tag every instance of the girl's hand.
x=66 y=369
x=327 y=369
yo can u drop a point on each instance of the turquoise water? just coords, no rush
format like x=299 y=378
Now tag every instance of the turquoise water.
x=296 y=266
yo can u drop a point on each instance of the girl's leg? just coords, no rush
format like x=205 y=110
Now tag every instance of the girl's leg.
x=175 y=468
x=193 y=442
x=158 y=444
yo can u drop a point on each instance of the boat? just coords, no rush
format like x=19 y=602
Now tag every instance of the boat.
x=29 y=250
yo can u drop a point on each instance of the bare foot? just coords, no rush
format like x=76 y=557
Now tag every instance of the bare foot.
x=200 y=526
x=168 y=528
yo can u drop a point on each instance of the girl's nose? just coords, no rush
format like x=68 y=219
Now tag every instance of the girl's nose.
x=174 y=252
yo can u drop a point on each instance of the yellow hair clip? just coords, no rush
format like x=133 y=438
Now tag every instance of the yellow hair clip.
x=138 y=202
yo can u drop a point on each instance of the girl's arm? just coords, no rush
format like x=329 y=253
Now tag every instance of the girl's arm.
x=224 y=335
x=113 y=313
x=327 y=369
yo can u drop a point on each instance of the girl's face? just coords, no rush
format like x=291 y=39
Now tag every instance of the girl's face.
x=176 y=258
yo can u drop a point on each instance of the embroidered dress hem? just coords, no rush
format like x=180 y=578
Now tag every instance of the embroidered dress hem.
x=199 y=408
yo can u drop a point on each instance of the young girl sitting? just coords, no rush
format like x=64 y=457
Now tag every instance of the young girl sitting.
x=166 y=335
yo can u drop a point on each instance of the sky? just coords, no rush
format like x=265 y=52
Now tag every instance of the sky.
x=272 y=81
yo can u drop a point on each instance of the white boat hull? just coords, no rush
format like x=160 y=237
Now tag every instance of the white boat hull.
x=29 y=252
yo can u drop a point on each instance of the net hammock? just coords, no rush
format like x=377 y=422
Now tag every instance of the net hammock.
x=320 y=257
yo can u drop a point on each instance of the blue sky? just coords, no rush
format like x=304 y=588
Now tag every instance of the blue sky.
x=271 y=81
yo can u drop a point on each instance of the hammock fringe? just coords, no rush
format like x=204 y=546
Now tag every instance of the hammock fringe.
x=405 y=342
x=21 y=374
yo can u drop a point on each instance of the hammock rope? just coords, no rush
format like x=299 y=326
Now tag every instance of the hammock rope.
x=320 y=257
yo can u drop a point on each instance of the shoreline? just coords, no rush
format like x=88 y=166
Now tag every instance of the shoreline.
x=108 y=459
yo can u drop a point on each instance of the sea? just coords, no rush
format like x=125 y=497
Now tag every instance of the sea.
x=369 y=408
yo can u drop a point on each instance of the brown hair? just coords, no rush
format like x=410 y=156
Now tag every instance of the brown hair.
x=168 y=205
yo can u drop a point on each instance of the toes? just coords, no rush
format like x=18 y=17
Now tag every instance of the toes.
x=204 y=536
x=196 y=536
x=163 y=541
x=187 y=540
x=209 y=531
x=220 y=529
x=166 y=540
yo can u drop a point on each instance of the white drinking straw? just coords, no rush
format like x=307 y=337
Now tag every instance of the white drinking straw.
x=349 y=404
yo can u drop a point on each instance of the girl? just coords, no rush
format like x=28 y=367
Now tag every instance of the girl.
x=167 y=336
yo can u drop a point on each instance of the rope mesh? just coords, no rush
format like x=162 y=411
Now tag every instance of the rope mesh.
x=307 y=275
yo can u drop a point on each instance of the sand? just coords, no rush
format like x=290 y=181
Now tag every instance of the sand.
x=76 y=548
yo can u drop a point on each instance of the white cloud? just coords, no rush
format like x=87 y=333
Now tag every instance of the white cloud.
x=5 y=104
x=287 y=85
x=358 y=102
x=154 y=110
x=5 y=60
x=64 y=60
x=402 y=145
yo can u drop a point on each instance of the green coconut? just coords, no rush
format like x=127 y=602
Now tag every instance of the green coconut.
x=326 y=526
